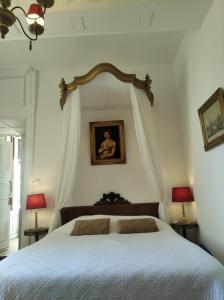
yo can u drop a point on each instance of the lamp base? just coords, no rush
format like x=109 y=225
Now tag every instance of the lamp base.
x=36 y=220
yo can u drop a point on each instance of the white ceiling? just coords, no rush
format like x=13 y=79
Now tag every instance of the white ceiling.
x=80 y=5
x=84 y=32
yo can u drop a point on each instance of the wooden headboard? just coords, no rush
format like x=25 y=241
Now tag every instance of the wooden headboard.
x=106 y=206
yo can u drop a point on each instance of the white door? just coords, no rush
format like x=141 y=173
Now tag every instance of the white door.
x=6 y=159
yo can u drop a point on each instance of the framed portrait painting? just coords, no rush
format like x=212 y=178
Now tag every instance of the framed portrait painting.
x=107 y=142
x=211 y=115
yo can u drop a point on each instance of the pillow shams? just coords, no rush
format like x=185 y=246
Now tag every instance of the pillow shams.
x=91 y=227
x=137 y=225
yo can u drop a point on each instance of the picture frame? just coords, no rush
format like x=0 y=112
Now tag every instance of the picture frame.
x=211 y=115
x=107 y=142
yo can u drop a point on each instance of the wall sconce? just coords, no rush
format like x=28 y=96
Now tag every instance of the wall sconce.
x=34 y=18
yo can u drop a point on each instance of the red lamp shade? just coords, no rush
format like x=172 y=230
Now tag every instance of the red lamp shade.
x=35 y=9
x=35 y=201
x=35 y=14
x=182 y=194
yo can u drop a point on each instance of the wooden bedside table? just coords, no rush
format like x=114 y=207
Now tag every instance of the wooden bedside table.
x=187 y=230
x=38 y=231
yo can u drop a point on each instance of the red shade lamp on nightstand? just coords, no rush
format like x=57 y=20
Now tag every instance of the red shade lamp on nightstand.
x=182 y=194
x=36 y=201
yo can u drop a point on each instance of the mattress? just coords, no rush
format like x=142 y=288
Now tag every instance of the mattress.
x=159 y=265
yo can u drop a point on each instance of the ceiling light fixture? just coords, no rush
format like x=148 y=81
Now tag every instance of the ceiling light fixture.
x=34 y=18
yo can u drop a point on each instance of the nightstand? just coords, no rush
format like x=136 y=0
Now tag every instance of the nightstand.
x=37 y=232
x=188 y=231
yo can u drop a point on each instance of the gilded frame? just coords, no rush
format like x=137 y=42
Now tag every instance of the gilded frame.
x=99 y=131
x=211 y=115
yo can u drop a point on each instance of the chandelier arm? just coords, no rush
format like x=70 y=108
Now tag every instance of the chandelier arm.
x=18 y=7
x=30 y=38
x=45 y=8
x=34 y=17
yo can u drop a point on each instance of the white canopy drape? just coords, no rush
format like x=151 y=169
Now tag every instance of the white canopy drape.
x=69 y=144
x=145 y=131
x=68 y=155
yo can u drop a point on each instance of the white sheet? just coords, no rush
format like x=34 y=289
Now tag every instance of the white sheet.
x=160 y=265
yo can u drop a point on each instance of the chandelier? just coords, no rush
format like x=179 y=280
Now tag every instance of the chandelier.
x=34 y=18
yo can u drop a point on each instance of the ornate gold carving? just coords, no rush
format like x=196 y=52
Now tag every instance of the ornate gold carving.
x=64 y=92
x=148 y=91
x=46 y=3
x=5 y=3
x=102 y=68
x=7 y=19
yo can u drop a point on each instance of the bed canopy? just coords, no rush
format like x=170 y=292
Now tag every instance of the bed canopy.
x=144 y=85
x=141 y=99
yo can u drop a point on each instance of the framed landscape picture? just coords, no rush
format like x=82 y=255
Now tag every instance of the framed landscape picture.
x=107 y=142
x=211 y=115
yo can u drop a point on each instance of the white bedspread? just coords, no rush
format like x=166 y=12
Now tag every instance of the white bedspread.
x=160 y=265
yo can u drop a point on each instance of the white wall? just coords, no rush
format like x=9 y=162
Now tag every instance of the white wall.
x=128 y=179
x=199 y=70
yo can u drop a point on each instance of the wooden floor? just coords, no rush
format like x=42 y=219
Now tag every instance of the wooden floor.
x=13 y=247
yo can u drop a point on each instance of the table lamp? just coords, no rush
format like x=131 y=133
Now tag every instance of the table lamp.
x=36 y=201
x=182 y=194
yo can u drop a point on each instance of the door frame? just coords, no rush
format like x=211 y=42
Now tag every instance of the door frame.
x=6 y=190
x=26 y=175
x=25 y=109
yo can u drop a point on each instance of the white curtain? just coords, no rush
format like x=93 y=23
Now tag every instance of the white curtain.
x=145 y=131
x=68 y=155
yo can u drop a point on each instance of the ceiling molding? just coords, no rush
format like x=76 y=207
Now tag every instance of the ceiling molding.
x=127 y=32
x=77 y=18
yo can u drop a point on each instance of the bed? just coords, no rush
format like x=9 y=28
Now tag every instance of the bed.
x=160 y=265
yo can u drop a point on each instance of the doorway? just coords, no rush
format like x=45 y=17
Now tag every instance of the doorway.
x=11 y=137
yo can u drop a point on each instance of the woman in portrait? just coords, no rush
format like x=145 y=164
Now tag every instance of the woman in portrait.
x=107 y=147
